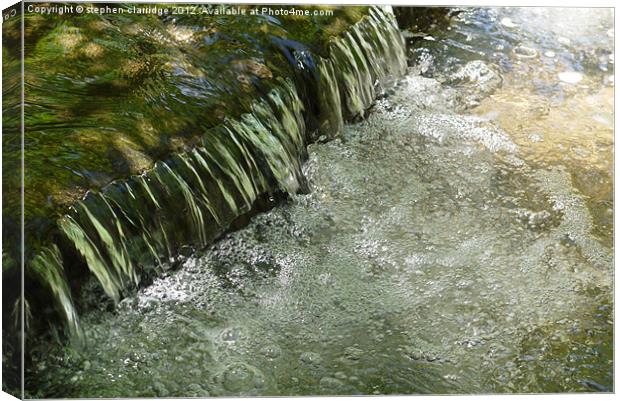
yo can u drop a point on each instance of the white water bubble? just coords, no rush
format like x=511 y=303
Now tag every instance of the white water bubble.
x=563 y=40
x=535 y=138
x=570 y=77
x=242 y=377
x=602 y=119
x=231 y=334
x=507 y=22
x=550 y=54
x=310 y=358
x=271 y=351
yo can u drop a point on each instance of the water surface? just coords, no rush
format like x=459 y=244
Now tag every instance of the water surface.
x=458 y=240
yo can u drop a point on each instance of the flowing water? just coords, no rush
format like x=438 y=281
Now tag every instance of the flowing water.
x=457 y=240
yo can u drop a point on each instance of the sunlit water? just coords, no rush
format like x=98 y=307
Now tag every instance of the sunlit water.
x=436 y=251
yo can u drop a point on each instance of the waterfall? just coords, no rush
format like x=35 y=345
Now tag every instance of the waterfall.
x=367 y=58
x=48 y=266
x=134 y=227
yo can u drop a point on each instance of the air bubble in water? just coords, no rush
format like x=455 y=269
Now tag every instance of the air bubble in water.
x=240 y=377
x=507 y=22
x=310 y=358
x=570 y=77
x=271 y=351
x=232 y=334
x=330 y=383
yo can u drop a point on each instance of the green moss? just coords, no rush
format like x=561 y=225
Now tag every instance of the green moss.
x=108 y=95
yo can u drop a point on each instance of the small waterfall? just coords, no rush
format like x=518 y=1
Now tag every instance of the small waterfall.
x=48 y=266
x=367 y=58
x=329 y=99
x=135 y=227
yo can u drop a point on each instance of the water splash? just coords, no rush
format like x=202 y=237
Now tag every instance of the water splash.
x=134 y=228
x=48 y=266
x=417 y=263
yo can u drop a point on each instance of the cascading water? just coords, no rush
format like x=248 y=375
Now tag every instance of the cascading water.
x=455 y=239
x=140 y=223
x=134 y=228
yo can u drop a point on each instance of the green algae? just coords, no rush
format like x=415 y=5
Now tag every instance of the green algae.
x=108 y=95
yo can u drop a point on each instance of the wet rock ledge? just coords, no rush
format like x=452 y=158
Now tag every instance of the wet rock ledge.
x=167 y=140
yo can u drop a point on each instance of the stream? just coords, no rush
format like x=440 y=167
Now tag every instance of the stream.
x=459 y=239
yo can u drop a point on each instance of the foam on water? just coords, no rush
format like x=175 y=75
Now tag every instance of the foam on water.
x=427 y=257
